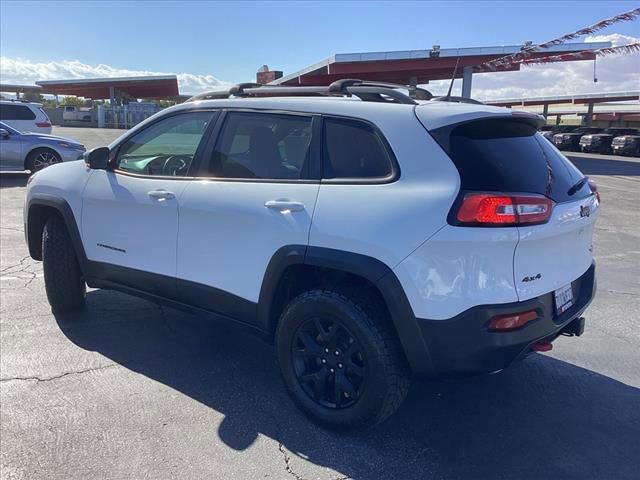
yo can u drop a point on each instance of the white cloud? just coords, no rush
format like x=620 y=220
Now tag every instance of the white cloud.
x=25 y=72
x=614 y=73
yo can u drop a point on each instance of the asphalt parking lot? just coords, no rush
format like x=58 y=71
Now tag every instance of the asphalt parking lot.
x=128 y=389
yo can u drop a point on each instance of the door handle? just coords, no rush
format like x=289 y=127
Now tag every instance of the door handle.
x=161 y=194
x=284 y=205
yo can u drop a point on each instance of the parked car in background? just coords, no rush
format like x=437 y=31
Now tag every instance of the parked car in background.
x=628 y=145
x=571 y=140
x=549 y=133
x=24 y=116
x=601 y=142
x=34 y=151
x=72 y=113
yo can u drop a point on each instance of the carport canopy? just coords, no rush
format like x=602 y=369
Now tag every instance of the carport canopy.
x=165 y=86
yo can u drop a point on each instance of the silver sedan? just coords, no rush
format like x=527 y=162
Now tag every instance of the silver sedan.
x=35 y=151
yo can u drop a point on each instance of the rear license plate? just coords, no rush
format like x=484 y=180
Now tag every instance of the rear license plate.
x=564 y=299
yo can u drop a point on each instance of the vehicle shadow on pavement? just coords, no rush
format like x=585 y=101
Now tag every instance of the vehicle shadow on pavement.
x=12 y=180
x=543 y=418
x=604 y=166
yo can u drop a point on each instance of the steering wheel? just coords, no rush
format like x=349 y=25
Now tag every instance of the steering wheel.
x=176 y=165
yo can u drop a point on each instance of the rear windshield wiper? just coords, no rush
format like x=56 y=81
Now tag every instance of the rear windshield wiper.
x=577 y=186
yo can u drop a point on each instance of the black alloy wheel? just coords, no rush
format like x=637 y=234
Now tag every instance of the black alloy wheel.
x=329 y=363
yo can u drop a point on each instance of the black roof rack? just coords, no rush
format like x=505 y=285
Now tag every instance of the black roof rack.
x=365 y=90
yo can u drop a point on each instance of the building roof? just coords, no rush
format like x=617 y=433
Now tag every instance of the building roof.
x=165 y=86
x=424 y=65
x=580 y=98
x=9 y=87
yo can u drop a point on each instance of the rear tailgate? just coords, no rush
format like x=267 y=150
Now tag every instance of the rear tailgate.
x=506 y=156
x=554 y=254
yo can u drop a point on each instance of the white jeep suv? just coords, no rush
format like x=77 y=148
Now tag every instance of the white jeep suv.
x=370 y=237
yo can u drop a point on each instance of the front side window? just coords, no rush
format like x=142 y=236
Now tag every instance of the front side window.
x=165 y=148
x=353 y=150
x=262 y=146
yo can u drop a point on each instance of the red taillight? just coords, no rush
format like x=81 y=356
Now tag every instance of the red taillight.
x=511 y=321
x=502 y=209
x=43 y=124
x=594 y=189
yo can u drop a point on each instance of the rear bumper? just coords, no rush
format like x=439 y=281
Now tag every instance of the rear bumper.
x=567 y=145
x=594 y=147
x=463 y=344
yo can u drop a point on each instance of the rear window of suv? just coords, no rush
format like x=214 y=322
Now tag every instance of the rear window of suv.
x=16 y=112
x=509 y=155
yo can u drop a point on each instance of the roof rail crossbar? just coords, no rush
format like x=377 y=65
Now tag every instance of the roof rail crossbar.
x=367 y=91
x=378 y=94
x=340 y=86
x=272 y=90
x=238 y=89
x=213 y=95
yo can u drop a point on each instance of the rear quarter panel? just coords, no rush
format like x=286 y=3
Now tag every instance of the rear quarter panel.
x=389 y=221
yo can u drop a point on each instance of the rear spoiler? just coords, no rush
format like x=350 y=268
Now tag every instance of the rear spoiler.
x=533 y=118
x=442 y=134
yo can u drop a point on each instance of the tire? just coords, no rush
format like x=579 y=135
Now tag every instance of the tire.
x=63 y=280
x=41 y=158
x=377 y=376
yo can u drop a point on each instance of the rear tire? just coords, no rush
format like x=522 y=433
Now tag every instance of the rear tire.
x=63 y=280
x=41 y=158
x=340 y=359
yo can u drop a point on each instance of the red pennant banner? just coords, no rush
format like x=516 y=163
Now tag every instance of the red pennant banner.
x=528 y=51
x=585 y=54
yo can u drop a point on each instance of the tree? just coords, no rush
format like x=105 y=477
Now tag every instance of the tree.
x=73 y=101
x=32 y=97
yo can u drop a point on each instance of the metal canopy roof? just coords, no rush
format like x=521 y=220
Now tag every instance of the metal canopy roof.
x=8 y=87
x=577 y=98
x=400 y=66
x=165 y=86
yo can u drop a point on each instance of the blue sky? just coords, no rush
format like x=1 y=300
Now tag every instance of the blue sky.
x=231 y=40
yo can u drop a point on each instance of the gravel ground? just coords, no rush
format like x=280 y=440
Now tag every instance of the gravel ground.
x=132 y=390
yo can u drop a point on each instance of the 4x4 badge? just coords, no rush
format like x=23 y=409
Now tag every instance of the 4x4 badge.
x=531 y=279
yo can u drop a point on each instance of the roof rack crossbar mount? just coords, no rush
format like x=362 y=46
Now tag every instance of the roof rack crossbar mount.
x=367 y=91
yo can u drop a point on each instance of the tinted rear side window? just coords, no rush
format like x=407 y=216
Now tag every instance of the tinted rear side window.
x=263 y=146
x=16 y=112
x=354 y=150
x=508 y=155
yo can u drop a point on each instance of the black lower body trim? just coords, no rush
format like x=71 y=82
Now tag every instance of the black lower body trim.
x=182 y=294
x=464 y=345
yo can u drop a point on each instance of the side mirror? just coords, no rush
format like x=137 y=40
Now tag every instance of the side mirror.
x=4 y=133
x=98 y=158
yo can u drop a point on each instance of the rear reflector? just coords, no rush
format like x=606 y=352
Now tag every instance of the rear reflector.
x=43 y=124
x=594 y=189
x=542 y=347
x=511 y=321
x=499 y=209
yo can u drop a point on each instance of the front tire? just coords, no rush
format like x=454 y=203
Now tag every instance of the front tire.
x=341 y=359
x=41 y=158
x=63 y=280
